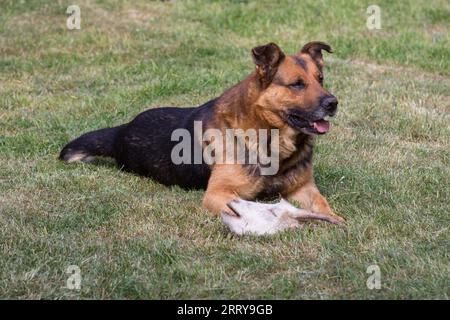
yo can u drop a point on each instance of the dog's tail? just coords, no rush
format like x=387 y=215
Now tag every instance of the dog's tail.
x=94 y=143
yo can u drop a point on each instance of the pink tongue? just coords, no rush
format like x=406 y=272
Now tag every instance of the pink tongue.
x=322 y=126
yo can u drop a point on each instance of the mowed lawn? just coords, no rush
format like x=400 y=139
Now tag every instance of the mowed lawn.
x=384 y=165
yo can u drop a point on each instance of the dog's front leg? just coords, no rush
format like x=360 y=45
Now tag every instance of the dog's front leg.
x=215 y=201
x=310 y=199
x=226 y=183
x=229 y=185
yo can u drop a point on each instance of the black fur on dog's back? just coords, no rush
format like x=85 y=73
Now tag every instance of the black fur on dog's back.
x=144 y=145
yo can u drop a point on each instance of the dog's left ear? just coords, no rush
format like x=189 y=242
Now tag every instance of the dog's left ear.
x=267 y=59
x=314 y=49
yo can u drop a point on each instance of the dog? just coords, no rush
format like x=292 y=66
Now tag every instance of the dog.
x=283 y=93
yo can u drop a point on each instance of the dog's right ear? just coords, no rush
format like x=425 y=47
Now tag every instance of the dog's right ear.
x=267 y=59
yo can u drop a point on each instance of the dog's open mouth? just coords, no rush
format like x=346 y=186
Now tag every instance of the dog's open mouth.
x=319 y=126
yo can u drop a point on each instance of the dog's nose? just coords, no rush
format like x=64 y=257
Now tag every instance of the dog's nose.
x=330 y=103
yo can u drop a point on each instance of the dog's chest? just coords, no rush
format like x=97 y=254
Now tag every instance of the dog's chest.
x=292 y=170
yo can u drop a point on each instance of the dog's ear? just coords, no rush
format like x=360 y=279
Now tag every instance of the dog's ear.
x=314 y=49
x=267 y=59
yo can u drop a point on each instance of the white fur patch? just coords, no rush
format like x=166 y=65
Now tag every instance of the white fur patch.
x=81 y=156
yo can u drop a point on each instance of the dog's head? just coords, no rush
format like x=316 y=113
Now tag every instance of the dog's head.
x=291 y=87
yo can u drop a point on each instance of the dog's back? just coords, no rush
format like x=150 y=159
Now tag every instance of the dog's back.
x=144 y=146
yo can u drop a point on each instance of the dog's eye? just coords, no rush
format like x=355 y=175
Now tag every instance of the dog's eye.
x=298 y=85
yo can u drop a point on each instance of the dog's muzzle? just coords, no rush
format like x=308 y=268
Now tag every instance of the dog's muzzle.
x=313 y=122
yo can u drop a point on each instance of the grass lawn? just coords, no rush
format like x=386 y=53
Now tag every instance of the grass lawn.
x=384 y=165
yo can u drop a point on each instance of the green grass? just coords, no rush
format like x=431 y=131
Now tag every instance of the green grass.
x=385 y=165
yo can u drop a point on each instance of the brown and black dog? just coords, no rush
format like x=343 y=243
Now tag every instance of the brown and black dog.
x=284 y=92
